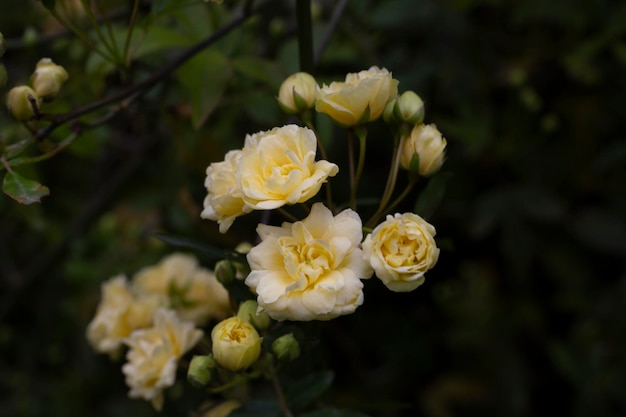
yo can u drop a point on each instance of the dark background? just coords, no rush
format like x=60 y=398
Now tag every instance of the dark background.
x=525 y=313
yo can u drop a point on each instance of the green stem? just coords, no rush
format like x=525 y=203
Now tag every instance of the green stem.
x=412 y=181
x=32 y=160
x=282 y=401
x=129 y=34
x=108 y=25
x=320 y=146
x=305 y=35
x=361 y=133
x=393 y=173
x=111 y=48
x=351 y=163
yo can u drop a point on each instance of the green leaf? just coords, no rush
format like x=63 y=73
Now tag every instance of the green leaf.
x=262 y=70
x=258 y=409
x=23 y=190
x=304 y=392
x=431 y=196
x=204 y=79
x=334 y=413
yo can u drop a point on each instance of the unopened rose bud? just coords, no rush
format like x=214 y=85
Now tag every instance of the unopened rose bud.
x=200 y=370
x=3 y=45
x=236 y=344
x=23 y=102
x=48 y=79
x=297 y=93
x=3 y=76
x=225 y=272
x=248 y=311
x=388 y=115
x=409 y=108
x=286 y=348
x=426 y=145
x=243 y=247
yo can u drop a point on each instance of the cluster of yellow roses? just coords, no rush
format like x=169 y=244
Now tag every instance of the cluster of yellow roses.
x=155 y=315
x=312 y=269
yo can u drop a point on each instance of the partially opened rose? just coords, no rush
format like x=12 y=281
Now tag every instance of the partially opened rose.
x=311 y=269
x=401 y=249
x=278 y=167
x=360 y=99
x=224 y=202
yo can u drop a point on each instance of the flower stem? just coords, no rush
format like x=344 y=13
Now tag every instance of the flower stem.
x=282 y=401
x=361 y=133
x=305 y=35
x=412 y=181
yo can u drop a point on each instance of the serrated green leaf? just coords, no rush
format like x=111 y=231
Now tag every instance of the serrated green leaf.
x=304 y=392
x=262 y=70
x=431 y=196
x=23 y=190
x=258 y=409
x=204 y=79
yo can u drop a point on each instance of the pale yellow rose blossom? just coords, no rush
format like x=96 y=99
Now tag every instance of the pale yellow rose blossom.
x=427 y=142
x=401 y=249
x=236 y=344
x=310 y=269
x=154 y=354
x=360 y=99
x=191 y=290
x=278 y=167
x=224 y=202
x=119 y=313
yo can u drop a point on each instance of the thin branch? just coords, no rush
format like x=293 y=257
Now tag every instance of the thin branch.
x=152 y=80
x=330 y=31
x=305 y=35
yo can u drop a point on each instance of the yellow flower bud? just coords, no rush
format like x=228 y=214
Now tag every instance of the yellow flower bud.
x=200 y=370
x=409 y=108
x=48 y=79
x=286 y=348
x=248 y=311
x=297 y=93
x=225 y=272
x=19 y=102
x=236 y=344
x=426 y=144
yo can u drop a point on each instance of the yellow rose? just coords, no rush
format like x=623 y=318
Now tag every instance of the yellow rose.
x=311 y=269
x=236 y=344
x=154 y=354
x=278 y=167
x=401 y=249
x=428 y=143
x=48 y=79
x=360 y=99
x=192 y=291
x=119 y=313
x=223 y=202
x=297 y=93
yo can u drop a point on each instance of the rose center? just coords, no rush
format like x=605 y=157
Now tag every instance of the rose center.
x=306 y=261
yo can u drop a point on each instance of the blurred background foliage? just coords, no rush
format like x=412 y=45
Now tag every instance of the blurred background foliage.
x=525 y=314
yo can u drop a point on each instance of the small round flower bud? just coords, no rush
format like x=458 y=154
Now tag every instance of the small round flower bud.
x=286 y=348
x=3 y=76
x=3 y=45
x=48 y=79
x=409 y=108
x=23 y=102
x=243 y=247
x=225 y=272
x=248 y=311
x=388 y=115
x=297 y=93
x=426 y=145
x=236 y=344
x=200 y=370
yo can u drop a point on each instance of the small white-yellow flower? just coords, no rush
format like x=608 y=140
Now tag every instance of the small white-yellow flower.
x=236 y=343
x=192 y=291
x=401 y=249
x=428 y=144
x=360 y=99
x=224 y=202
x=154 y=354
x=311 y=269
x=278 y=167
x=119 y=313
